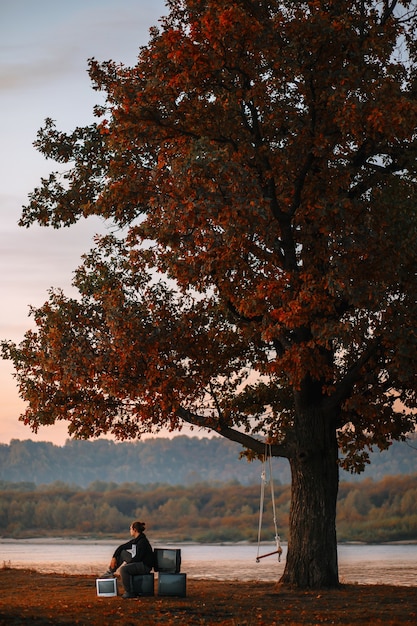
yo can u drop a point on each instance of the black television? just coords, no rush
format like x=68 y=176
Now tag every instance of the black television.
x=143 y=584
x=167 y=560
x=172 y=584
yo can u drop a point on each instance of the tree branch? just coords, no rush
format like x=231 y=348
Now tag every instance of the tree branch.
x=299 y=183
x=245 y=440
x=388 y=10
x=345 y=385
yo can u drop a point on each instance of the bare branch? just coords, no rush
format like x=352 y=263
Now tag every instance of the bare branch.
x=388 y=10
x=245 y=440
x=345 y=385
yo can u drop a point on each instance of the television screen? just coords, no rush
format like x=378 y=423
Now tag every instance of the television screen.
x=172 y=584
x=106 y=587
x=167 y=560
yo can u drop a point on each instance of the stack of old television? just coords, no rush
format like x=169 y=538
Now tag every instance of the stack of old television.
x=171 y=582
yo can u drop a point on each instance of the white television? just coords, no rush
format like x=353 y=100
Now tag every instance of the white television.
x=106 y=587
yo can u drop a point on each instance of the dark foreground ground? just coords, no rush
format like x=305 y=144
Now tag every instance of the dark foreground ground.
x=28 y=597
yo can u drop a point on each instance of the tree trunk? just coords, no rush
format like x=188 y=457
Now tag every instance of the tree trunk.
x=312 y=545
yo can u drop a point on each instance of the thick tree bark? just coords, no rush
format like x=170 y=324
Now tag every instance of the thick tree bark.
x=312 y=546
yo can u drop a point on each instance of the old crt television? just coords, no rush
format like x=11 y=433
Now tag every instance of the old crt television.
x=106 y=587
x=167 y=560
x=143 y=584
x=172 y=584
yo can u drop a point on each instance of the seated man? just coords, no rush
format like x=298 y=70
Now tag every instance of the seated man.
x=134 y=557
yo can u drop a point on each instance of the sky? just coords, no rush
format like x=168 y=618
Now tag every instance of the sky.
x=44 y=47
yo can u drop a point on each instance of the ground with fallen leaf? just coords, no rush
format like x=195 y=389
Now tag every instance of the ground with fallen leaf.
x=29 y=597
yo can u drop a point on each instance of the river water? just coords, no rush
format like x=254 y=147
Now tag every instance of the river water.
x=393 y=564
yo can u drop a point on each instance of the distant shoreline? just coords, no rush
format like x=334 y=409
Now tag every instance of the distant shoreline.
x=109 y=539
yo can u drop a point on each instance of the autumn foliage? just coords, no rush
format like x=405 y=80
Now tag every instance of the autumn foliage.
x=260 y=161
x=373 y=512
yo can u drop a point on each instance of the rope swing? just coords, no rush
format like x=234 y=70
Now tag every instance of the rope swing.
x=267 y=461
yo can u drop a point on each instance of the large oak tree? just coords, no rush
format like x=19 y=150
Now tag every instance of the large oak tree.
x=259 y=166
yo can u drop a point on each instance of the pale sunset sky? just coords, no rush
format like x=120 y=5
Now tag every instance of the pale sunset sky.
x=44 y=47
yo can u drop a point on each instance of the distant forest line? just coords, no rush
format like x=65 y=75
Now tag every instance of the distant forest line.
x=181 y=460
x=367 y=511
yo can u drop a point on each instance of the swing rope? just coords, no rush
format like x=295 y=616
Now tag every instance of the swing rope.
x=278 y=551
x=261 y=507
